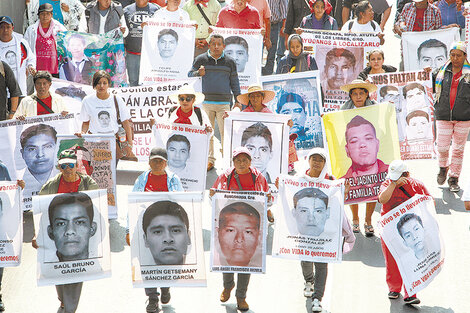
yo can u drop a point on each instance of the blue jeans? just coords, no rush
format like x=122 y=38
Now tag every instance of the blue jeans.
x=278 y=48
x=133 y=68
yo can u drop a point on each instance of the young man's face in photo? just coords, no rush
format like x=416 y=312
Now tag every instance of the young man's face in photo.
x=339 y=72
x=433 y=57
x=11 y=58
x=415 y=99
x=38 y=153
x=104 y=120
x=168 y=240
x=167 y=45
x=261 y=154
x=418 y=128
x=413 y=235
x=310 y=215
x=239 y=54
x=362 y=145
x=76 y=48
x=298 y=116
x=178 y=154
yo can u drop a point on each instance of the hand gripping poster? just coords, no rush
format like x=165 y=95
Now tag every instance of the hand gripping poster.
x=96 y=157
x=411 y=93
x=11 y=224
x=166 y=239
x=72 y=237
x=265 y=135
x=245 y=46
x=309 y=225
x=412 y=236
x=239 y=227
x=340 y=58
x=187 y=148
x=299 y=96
x=166 y=47
x=362 y=142
x=428 y=48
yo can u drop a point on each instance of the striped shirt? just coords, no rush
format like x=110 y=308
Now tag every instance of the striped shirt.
x=278 y=10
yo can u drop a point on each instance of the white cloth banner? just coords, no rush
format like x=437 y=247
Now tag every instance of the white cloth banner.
x=96 y=157
x=167 y=51
x=73 y=237
x=412 y=236
x=428 y=48
x=245 y=46
x=166 y=239
x=29 y=147
x=11 y=224
x=340 y=58
x=309 y=220
x=239 y=228
x=187 y=147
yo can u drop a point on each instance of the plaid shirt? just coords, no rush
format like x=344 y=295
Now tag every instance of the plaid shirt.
x=432 y=17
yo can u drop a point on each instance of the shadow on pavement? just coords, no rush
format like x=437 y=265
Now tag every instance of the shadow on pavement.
x=397 y=306
x=117 y=236
x=367 y=250
x=450 y=201
x=28 y=226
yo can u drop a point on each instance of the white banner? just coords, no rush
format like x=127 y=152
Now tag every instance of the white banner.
x=166 y=239
x=11 y=224
x=309 y=222
x=412 y=236
x=72 y=93
x=428 y=48
x=167 y=51
x=73 y=237
x=340 y=58
x=245 y=46
x=239 y=227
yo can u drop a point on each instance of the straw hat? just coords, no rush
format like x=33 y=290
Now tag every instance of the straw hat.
x=268 y=94
x=359 y=83
x=188 y=90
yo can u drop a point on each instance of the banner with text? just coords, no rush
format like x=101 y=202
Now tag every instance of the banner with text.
x=11 y=224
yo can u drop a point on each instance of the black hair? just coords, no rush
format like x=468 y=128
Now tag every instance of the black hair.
x=290 y=97
x=431 y=43
x=385 y=89
x=411 y=86
x=164 y=207
x=258 y=130
x=310 y=193
x=358 y=121
x=103 y=113
x=405 y=218
x=42 y=75
x=216 y=36
x=100 y=74
x=178 y=138
x=360 y=7
x=37 y=130
x=71 y=198
x=167 y=31
x=236 y=40
x=238 y=208
x=339 y=52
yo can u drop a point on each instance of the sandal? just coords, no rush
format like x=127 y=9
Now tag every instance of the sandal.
x=369 y=230
x=355 y=227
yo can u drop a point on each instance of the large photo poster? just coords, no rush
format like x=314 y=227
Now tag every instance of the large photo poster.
x=299 y=95
x=362 y=142
x=166 y=239
x=245 y=46
x=165 y=49
x=310 y=219
x=265 y=135
x=340 y=58
x=187 y=147
x=96 y=157
x=428 y=48
x=82 y=54
x=236 y=214
x=411 y=93
x=11 y=224
x=412 y=236
x=72 y=236
x=28 y=149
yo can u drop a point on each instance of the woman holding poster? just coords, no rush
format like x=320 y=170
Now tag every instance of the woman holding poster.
x=376 y=65
x=364 y=21
x=297 y=60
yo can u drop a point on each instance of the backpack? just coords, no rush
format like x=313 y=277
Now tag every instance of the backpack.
x=196 y=110
x=2 y=69
x=352 y=22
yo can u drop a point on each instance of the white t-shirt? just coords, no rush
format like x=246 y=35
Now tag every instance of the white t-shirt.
x=361 y=28
x=102 y=114
x=178 y=15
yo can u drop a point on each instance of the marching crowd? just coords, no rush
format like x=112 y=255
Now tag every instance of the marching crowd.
x=30 y=61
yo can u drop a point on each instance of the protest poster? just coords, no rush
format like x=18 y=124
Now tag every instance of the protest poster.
x=11 y=223
x=65 y=258
x=235 y=214
x=92 y=52
x=28 y=150
x=310 y=219
x=412 y=236
x=158 y=259
x=299 y=95
x=245 y=46
x=265 y=135
x=72 y=93
x=340 y=58
x=411 y=93
x=96 y=157
x=362 y=142
x=165 y=49
x=428 y=48
x=187 y=147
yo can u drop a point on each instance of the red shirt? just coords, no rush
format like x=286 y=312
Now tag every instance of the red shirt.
x=413 y=187
x=65 y=187
x=48 y=102
x=246 y=180
x=248 y=18
x=419 y=20
x=156 y=182
x=453 y=88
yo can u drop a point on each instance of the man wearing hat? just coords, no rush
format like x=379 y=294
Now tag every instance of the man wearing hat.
x=396 y=189
x=452 y=113
x=359 y=92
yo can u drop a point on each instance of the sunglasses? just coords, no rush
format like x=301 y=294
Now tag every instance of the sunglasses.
x=64 y=166
x=187 y=98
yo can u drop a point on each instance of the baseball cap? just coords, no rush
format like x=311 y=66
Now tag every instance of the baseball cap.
x=45 y=7
x=319 y=151
x=396 y=168
x=240 y=150
x=158 y=153
x=6 y=19
x=67 y=156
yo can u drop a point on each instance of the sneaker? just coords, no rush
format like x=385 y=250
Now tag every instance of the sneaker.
x=308 y=290
x=393 y=295
x=412 y=300
x=165 y=296
x=152 y=305
x=242 y=305
x=453 y=184
x=226 y=294
x=316 y=305
x=442 y=175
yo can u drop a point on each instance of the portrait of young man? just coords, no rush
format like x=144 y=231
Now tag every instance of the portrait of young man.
x=167 y=43
x=410 y=227
x=178 y=149
x=237 y=48
x=258 y=139
x=339 y=68
x=432 y=53
x=310 y=211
